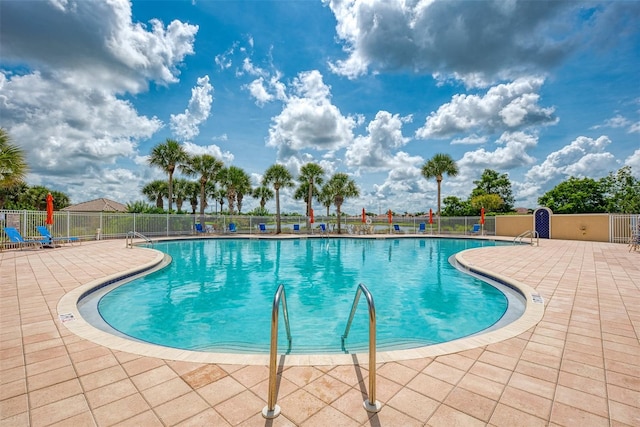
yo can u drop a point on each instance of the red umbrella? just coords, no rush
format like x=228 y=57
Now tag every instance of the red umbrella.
x=49 y=220
x=311 y=216
x=364 y=216
x=390 y=216
x=482 y=216
x=430 y=216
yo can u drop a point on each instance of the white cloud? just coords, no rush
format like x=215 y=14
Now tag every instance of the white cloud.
x=508 y=106
x=634 y=161
x=474 y=41
x=584 y=157
x=512 y=153
x=195 y=149
x=309 y=121
x=472 y=139
x=186 y=125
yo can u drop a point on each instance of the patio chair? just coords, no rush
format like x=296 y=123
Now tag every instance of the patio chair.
x=15 y=237
x=199 y=228
x=475 y=229
x=323 y=228
x=46 y=234
x=296 y=228
x=263 y=227
x=422 y=228
x=397 y=229
x=232 y=227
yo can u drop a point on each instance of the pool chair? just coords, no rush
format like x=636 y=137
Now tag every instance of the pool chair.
x=16 y=238
x=46 y=234
x=396 y=229
x=323 y=228
x=422 y=228
x=475 y=229
x=199 y=228
x=232 y=227
x=296 y=228
x=263 y=227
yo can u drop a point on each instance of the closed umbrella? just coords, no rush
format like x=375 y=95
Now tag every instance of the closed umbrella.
x=364 y=216
x=311 y=216
x=49 y=220
x=430 y=216
x=390 y=216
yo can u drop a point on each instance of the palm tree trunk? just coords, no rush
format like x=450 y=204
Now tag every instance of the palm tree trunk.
x=439 y=183
x=278 y=211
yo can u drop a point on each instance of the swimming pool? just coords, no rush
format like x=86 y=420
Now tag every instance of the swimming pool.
x=216 y=295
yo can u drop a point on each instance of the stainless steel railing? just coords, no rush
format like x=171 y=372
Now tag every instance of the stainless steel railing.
x=529 y=233
x=371 y=404
x=131 y=235
x=272 y=410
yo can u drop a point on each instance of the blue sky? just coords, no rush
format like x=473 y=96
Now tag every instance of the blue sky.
x=540 y=91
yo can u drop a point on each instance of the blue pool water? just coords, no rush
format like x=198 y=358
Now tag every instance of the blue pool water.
x=217 y=295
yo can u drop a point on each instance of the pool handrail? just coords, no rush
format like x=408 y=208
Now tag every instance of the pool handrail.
x=371 y=404
x=529 y=233
x=131 y=234
x=272 y=410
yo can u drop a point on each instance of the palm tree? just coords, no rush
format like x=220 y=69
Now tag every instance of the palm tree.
x=439 y=165
x=207 y=168
x=193 y=191
x=156 y=191
x=325 y=197
x=181 y=192
x=311 y=174
x=13 y=166
x=264 y=194
x=278 y=176
x=168 y=156
x=237 y=183
x=341 y=187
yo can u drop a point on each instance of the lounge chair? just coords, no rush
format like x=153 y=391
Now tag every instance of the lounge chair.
x=323 y=228
x=475 y=229
x=232 y=227
x=422 y=228
x=199 y=228
x=396 y=229
x=15 y=237
x=296 y=228
x=263 y=227
x=44 y=232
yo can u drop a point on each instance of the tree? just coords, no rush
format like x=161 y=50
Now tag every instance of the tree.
x=453 y=206
x=574 y=196
x=622 y=191
x=325 y=197
x=278 y=176
x=493 y=183
x=341 y=187
x=439 y=165
x=207 y=168
x=490 y=202
x=264 y=194
x=167 y=156
x=192 y=193
x=156 y=191
x=13 y=166
x=311 y=174
x=181 y=189
x=236 y=183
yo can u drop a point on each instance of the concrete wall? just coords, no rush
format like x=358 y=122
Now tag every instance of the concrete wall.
x=588 y=227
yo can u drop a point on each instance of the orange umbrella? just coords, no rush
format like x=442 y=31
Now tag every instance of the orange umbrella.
x=390 y=216
x=364 y=216
x=311 y=216
x=482 y=216
x=49 y=220
x=430 y=216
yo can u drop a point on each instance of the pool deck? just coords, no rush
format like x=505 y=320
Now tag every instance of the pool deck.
x=580 y=365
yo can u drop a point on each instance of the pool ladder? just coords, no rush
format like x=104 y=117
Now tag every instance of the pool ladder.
x=131 y=235
x=529 y=233
x=272 y=410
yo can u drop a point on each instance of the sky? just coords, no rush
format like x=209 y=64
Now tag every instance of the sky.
x=540 y=91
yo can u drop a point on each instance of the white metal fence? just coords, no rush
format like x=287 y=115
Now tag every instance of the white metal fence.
x=623 y=226
x=107 y=225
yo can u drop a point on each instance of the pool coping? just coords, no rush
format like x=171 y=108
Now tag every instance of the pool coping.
x=72 y=319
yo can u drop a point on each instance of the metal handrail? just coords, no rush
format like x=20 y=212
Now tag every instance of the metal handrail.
x=371 y=404
x=131 y=234
x=531 y=234
x=272 y=410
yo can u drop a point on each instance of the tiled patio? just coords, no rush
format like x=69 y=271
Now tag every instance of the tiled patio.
x=580 y=365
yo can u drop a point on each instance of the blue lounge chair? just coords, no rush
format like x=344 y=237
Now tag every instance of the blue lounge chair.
x=296 y=228
x=323 y=228
x=15 y=237
x=475 y=229
x=396 y=228
x=199 y=228
x=46 y=234
x=232 y=227
x=422 y=228
x=263 y=227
